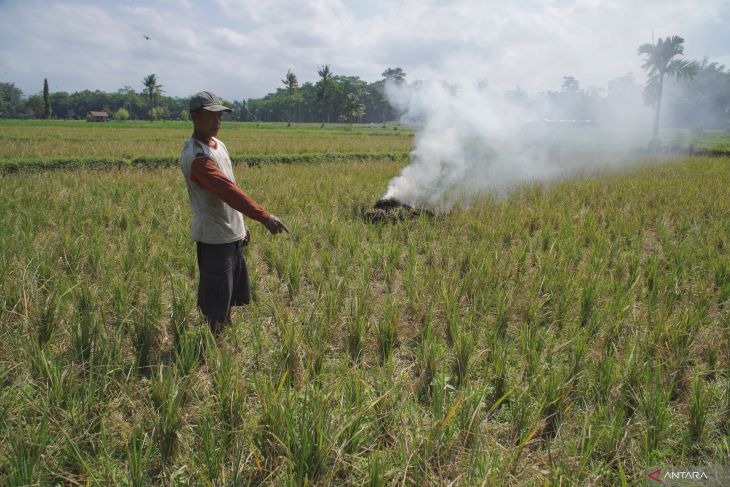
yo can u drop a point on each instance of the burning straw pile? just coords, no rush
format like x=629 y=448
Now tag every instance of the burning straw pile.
x=390 y=210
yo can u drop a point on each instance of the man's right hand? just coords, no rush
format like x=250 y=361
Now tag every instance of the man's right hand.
x=274 y=225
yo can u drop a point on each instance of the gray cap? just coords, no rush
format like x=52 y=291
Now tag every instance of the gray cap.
x=207 y=101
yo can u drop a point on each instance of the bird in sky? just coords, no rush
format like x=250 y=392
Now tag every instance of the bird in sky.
x=146 y=37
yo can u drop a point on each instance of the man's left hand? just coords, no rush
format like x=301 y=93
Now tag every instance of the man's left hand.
x=274 y=225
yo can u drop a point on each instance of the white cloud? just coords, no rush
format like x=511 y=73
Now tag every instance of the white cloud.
x=242 y=48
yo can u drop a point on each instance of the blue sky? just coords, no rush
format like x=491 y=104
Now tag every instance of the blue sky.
x=242 y=49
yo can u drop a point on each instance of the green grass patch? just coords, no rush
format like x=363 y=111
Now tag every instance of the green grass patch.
x=571 y=333
x=40 y=141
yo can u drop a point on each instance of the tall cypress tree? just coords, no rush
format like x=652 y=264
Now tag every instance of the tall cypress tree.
x=46 y=98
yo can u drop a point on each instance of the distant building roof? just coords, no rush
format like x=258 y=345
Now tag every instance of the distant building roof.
x=98 y=114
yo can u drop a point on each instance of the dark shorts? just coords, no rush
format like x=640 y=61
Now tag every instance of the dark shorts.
x=223 y=279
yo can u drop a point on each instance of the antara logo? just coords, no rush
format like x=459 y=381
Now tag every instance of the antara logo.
x=685 y=476
x=657 y=476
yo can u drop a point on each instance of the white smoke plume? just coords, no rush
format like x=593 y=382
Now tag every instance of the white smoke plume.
x=470 y=141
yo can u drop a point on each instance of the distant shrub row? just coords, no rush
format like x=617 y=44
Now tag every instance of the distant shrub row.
x=24 y=165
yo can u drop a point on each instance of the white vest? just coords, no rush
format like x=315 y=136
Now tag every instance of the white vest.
x=214 y=221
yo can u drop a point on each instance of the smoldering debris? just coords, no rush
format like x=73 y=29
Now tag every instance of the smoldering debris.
x=391 y=210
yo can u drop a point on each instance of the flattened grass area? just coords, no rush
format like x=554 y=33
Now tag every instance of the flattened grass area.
x=574 y=333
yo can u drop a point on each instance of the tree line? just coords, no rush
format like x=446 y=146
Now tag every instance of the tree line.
x=696 y=94
x=333 y=98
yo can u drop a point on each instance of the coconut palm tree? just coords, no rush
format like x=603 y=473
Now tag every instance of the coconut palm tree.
x=660 y=61
x=152 y=90
x=291 y=83
x=395 y=75
x=353 y=107
x=391 y=75
x=324 y=89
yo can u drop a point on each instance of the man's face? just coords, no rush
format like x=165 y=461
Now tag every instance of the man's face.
x=207 y=123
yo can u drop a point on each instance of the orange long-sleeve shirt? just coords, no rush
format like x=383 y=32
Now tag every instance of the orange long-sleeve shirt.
x=205 y=172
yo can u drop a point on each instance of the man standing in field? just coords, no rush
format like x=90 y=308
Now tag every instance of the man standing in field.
x=218 y=206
